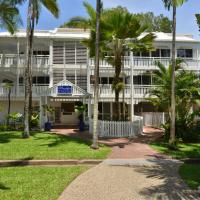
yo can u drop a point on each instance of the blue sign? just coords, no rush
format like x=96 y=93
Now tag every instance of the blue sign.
x=65 y=90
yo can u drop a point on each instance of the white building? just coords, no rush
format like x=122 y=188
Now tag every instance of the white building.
x=61 y=60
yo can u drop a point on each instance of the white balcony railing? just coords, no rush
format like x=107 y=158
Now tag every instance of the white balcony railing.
x=13 y=60
x=149 y=63
x=140 y=91
x=37 y=90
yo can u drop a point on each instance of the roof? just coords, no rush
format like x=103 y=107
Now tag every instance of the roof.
x=73 y=33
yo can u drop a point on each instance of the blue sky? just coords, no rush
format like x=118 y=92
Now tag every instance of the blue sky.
x=69 y=8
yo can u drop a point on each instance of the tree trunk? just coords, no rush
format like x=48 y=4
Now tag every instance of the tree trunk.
x=173 y=100
x=30 y=70
x=8 y=118
x=96 y=75
x=26 y=132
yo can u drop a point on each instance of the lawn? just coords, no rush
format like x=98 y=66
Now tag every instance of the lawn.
x=47 y=146
x=191 y=150
x=36 y=183
x=190 y=173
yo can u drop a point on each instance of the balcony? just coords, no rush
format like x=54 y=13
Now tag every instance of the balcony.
x=140 y=91
x=37 y=90
x=147 y=63
x=13 y=61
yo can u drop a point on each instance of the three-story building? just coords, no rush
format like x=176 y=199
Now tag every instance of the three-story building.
x=63 y=73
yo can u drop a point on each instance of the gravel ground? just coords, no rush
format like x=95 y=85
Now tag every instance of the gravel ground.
x=138 y=179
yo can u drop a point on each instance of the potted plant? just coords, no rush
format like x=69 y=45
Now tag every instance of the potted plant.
x=80 y=109
x=48 y=110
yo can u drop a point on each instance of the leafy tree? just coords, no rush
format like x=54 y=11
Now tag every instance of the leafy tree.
x=154 y=23
x=33 y=14
x=123 y=31
x=76 y=22
x=187 y=93
x=9 y=15
x=173 y=4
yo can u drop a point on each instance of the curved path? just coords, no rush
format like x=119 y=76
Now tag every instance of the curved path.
x=130 y=180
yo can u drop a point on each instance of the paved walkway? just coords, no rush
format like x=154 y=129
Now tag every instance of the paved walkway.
x=130 y=180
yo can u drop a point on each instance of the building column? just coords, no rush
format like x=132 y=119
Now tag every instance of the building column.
x=132 y=87
x=111 y=110
x=51 y=64
x=88 y=72
x=18 y=63
x=89 y=108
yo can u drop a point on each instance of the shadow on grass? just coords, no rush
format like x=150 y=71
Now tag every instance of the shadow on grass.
x=170 y=186
x=164 y=181
x=53 y=139
x=183 y=151
x=3 y=187
x=8 y=136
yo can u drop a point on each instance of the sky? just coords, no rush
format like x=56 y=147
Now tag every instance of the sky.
x=186 y=22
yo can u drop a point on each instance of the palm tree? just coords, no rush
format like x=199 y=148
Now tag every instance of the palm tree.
x=121 y=26
x=34 y=8
x=187 y=93
x=174 y=4
x=9 y=15
x=96 y=75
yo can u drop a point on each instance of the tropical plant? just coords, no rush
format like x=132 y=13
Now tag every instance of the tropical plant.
x=123 y=33
x=80 y=109
x=9 y=15
x=76 y=22
x=173 y=4
x=48 y=109
x=33 y=14
x=187 y=96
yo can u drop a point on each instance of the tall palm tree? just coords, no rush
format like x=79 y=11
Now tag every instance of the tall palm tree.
x=33 y=14
x=9 y=15
x=173 y=4
x=121 y=26
x=96 y=75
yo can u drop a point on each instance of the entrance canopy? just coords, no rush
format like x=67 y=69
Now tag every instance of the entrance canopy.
x=66 y=89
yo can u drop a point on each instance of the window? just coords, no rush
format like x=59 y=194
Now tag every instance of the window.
x=155 y=53
x=165 y=53
x=145 y=54
x=40 y=80
x=184 y=53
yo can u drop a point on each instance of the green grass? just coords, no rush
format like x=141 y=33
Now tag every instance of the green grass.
x=190 y=173
x=47 y=146
x=191 y=150
x=36 y=183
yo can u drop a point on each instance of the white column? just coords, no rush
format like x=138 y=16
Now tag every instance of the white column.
x=75 y=77
x=88 y=72
x=89 y=108
x=18 y=62
x=132 y=87
x=51 y=64
x=64 y=62
x=111 y=110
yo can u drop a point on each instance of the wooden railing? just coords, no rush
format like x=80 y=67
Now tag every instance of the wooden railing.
x=114 y=129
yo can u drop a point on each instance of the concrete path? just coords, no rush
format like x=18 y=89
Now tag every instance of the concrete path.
x=136 y=179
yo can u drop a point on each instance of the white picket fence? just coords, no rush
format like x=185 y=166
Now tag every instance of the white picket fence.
x=154 y=119
x=115 y=129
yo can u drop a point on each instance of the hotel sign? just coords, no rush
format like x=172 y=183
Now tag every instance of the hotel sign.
x=65 y=90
